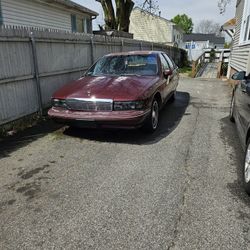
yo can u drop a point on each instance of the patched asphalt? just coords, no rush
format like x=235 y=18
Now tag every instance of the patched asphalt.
x=180 y=188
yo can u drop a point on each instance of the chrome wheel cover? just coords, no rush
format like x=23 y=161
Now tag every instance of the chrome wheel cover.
x=247 y=165
x=155 y=114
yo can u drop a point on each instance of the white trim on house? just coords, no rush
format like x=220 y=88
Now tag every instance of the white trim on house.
x=245 y=26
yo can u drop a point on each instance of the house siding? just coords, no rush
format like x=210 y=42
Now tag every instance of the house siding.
x=150 y=28
x=1 y=16
x=35 y=14
x=240 y=56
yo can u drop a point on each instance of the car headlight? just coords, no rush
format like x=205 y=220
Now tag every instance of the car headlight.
x=134 y=105
x=61 y=103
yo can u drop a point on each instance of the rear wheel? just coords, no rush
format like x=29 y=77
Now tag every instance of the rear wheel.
x=231 y=114
x=152 y=122
x=246 y=173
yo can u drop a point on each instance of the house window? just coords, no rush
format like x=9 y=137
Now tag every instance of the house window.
x=87 y=25
x=73 y=23
x=245 y=29
x=80 y=24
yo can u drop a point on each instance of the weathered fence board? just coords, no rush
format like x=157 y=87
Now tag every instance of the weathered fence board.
x=17 y=99
x=61 y=58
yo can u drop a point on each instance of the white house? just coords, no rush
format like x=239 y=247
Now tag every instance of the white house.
x=48 y=14
x=195 y=44
x=149 y=27
x=240 y=56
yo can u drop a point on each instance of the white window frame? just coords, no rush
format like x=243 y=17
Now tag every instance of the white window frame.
x=245 y=24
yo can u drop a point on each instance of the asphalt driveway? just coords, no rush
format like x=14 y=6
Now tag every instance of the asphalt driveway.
x=65 y=188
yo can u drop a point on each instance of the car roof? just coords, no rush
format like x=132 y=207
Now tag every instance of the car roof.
x=139 y=52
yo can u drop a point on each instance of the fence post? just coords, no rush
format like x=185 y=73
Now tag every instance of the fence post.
x=37 y=79
x=193 y=69
x=219 y=67
x=152 y=46
x=92 y=50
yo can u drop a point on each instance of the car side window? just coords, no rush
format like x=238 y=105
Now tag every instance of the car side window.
x=170 y=62
x=164 y=63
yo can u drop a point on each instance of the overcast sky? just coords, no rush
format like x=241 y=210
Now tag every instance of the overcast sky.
x=196 y=9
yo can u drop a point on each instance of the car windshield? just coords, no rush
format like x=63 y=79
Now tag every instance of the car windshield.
x=145 y=65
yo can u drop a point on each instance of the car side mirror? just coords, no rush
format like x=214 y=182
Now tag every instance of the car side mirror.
x=167 y=73
x=239 y=75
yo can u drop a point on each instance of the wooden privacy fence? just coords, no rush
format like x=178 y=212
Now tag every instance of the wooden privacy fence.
x=35 y=63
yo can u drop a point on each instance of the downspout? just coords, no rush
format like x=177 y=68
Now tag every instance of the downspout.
x=1 y=14
x=92 y=18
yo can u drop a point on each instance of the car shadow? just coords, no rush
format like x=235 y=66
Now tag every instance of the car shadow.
x=230 y=136
x=25 y=137
x=170 y=117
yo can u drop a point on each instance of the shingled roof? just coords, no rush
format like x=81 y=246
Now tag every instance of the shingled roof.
x=203 y=37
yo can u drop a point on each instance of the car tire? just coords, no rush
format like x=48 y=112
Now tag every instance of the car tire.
x=152 y=121
x=231 y=114
x=246 y=169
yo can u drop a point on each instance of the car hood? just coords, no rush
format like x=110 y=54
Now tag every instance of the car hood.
x=117 y=88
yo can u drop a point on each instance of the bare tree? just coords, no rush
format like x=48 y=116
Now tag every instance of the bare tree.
x=119 y=19
x=117 y=12
x=208 y=27
x=222 y=4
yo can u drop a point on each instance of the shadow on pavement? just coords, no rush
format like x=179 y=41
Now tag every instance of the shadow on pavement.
x=23 y=138
x=170 y=117
x=230 y=136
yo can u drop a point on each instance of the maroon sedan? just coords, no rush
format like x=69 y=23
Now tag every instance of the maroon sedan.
x=121 y=90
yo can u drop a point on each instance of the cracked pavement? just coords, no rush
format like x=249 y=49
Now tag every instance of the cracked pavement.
x=180 y=188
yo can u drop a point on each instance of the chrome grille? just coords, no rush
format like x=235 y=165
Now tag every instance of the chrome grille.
x=90 y=104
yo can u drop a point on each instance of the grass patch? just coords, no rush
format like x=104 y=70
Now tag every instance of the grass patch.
x=186 y=70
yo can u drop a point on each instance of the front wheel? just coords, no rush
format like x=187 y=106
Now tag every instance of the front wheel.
x=152 y=122
x=246 y=173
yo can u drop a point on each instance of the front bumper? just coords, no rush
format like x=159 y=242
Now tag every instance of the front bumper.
x=112 y=119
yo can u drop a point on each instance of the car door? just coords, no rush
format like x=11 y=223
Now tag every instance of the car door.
x=175 y=70
x=166 y=82
x=242 y=100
